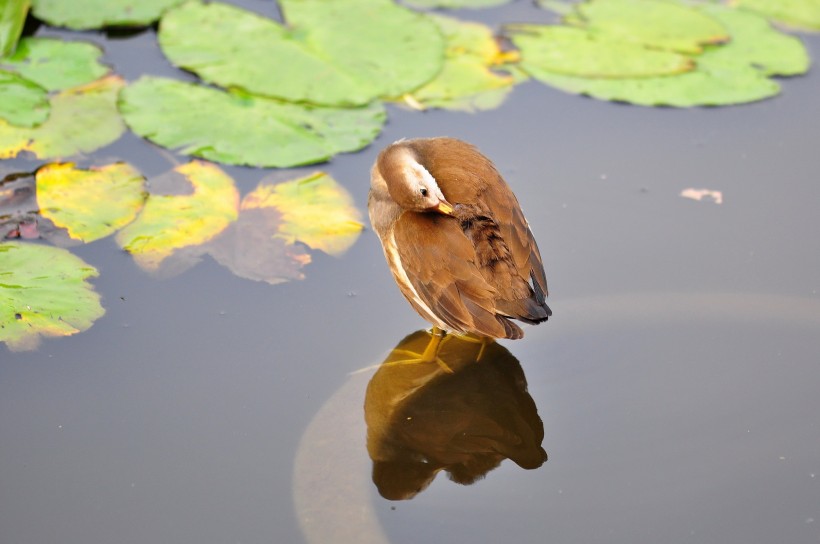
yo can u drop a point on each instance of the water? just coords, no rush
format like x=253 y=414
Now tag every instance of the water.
x=676 y=382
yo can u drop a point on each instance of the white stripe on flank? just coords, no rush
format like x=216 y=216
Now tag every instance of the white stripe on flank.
x=404 y=280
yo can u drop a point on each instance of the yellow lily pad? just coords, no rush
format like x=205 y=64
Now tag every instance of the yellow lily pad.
x=169 y=223
x=467 y=81
x=90 y=204
x=82 y=120
x=44 y=292
x=316 y=211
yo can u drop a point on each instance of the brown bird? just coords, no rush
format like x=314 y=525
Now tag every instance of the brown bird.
x=455 y=238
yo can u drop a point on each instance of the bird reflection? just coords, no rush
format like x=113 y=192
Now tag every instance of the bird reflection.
x=464 y=417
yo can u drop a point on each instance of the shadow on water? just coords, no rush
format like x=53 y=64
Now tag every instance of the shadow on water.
x=463 y=415
x=464 y=419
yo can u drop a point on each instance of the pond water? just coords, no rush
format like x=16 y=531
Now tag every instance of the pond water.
x=676 y=382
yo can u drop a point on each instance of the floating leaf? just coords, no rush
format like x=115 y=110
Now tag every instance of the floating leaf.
x=340 y=53
x=243 y=129
x=90 y=204
x=12 y=18
x=713 y=83
x=171 y=222
x=801 y=14
x=316 y=211
x=44 y=292
x=580 y=52
x=467 y=81
x=656 y=23
x=87 y=14
x=456 y=4
x=733 y=73
x=56 y=64
x=755 y=43
x=82 y=119
x=22 y=102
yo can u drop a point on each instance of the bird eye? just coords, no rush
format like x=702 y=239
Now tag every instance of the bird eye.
x=423 y=191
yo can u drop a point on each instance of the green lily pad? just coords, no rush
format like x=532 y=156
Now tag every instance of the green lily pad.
x=467 y=82
x=82 y=120
x=733 y=73
x=315 y=210
x=12 y=18
x=755 y=43
x=169 y=223
x=236 y=128
x=586 y=53
x=456 y=4
x=712 y=84
x=663 y=24
x=22 y=102
x=90 y=204
x=340 y=53
x=44 y=292
x=56 y=64
x=88 y=14
x=799 y=14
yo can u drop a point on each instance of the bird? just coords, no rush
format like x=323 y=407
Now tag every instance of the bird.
x=456 y=240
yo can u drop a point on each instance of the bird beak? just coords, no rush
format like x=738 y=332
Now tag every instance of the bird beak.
x=444 y=207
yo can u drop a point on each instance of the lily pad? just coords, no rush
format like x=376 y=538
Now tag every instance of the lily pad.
x=316 y=211
x=12 y=18
x=733 y=73
x=662 y=24
x=56 y=64
x=799 y=14
x=586 y=53
x=467 y=81
x=172 y=222
x=340 y=53
x=44 y=292
x=90 y=204
x=88 y=14
x=82 y=120
x=714 y=83
x=236 y=128
x=755 y=43
x=22 y=102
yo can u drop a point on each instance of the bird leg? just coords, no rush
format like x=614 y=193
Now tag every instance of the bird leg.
x=430 y=354
x=475 y=339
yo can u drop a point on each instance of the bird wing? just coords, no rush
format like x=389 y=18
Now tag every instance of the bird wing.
x=517 y=234
x=439 y=261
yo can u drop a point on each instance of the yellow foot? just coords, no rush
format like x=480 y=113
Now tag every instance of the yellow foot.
x=483 y=340
x=429 y=355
